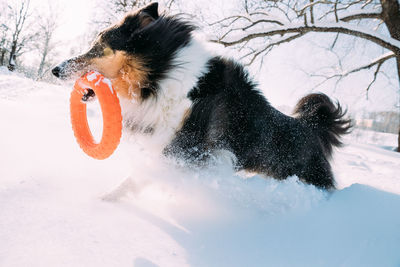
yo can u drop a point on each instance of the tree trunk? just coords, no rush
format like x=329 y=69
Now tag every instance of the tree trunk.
x=398 y=73
x=41 y=65
x=3 y=54
x=44 y=55
x=11 y=62
x=391 y=17
x=398 y=141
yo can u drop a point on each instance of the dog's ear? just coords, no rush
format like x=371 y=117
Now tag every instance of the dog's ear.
x=148 y=14
x=140 y=18
x=151 y=10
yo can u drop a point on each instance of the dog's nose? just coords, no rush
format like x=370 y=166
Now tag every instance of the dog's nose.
x=56 y=71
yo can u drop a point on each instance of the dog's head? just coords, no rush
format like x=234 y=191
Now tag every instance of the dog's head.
x=135 y=53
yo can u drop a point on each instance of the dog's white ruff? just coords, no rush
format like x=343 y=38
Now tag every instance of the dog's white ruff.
x=166 y=113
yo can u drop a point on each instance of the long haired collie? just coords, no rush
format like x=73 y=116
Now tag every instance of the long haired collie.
x=191 y=104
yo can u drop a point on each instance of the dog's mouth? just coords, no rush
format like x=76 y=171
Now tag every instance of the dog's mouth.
x=89 y=95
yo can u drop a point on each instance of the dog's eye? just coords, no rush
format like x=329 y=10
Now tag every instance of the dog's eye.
x=107 y=51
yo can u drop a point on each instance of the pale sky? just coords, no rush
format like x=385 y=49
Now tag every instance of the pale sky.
x=74 y=18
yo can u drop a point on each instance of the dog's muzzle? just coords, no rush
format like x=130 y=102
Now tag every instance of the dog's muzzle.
x=71 y=67
x=59 y=70
x=67 y=70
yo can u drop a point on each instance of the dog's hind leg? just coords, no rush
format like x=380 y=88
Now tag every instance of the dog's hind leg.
x=319 y=173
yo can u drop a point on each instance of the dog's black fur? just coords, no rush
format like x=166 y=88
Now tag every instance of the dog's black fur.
x=228 y=112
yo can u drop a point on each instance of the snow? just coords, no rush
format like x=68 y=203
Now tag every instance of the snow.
x=4 y=70
x=108 y=82
x=53 y=212
x=92 y=76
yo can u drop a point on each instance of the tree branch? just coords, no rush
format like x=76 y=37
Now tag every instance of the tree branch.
x=378 y=67
x=263 y=21
x=362 y=16
x=386 y=42
x=377 y=62
x=236 y=17
x=270 y=45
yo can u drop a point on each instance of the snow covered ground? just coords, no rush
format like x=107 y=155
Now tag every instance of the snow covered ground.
x=52 y=211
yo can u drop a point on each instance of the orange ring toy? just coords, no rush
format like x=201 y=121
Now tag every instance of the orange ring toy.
x=110 y=108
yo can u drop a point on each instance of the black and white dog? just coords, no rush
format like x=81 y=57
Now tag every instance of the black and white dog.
x=189 y=103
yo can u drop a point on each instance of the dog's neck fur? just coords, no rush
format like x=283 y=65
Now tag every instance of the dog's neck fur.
x=155 y=121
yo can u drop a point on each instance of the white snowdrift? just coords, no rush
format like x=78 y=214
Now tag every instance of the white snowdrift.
x=52 y=212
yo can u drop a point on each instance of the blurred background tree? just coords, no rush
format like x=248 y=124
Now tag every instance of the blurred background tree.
x=262 y=25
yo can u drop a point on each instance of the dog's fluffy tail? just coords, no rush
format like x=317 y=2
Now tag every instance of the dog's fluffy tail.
x=325 y=118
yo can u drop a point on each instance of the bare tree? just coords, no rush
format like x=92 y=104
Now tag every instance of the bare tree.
x=21 y=37
x=265 y=24
x=4 y=31
x=3 y=43
x=45 y=45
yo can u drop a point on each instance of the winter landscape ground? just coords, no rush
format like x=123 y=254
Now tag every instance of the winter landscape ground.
x=53 y=212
